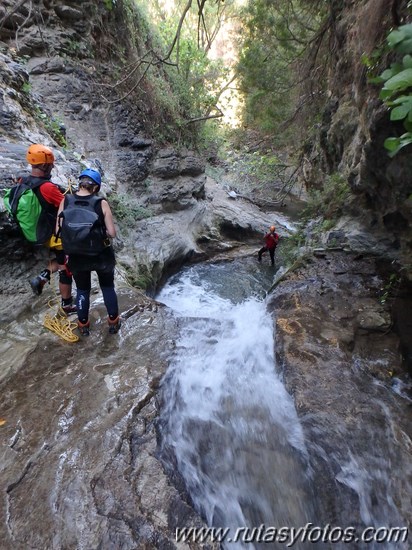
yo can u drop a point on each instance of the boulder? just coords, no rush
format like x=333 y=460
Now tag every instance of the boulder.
x=166 y=167
x=68 y=13
x=191 y=165
x=170 y=164
x=54 y=65
x=133 y=167
x=32 y=43
x=373 y=318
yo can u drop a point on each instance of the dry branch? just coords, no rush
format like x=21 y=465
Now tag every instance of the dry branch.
x=149 y=64
x=220 y=114
x=8 y=15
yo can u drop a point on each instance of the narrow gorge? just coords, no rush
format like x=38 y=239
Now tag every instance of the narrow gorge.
x=235 y=394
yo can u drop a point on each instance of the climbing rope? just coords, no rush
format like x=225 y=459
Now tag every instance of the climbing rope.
x=71 y=186
x=59 y=323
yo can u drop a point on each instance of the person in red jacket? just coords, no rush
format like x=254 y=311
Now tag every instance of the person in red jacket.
x=271 y=242
x=41 y=159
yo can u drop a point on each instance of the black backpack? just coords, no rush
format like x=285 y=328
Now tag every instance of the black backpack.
x=82 y=228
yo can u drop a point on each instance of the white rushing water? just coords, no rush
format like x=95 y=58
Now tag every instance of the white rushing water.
x=232 y=428
x=228 y=418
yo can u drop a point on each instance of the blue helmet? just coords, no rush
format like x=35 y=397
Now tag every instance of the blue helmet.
x=92 y=174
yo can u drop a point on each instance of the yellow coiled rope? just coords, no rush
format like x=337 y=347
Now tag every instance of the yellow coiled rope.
x=60 y=324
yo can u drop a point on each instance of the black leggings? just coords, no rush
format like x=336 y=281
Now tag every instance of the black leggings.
x=84 y=284
x=271 y=253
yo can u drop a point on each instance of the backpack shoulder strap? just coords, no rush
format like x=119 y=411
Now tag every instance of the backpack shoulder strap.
x=68 y=198
x=97 y=206
x=25 y=183
x=15 y=194
x=95 y=200
x=34 y=182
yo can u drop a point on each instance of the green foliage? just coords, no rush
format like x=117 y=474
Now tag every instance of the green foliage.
x=74 y=48
x=53 y=125
x=372 y=61
x=56 y=129
x=185 y=86
x=289 y=249
x=328 y=202
x=258 y=172
x=127 y=210
x=165 y=106
x=141 y=32
x=139 y=277
x=276 y=35
x=210 y=137
x=26 y=88
x=327 y=224
x=258 y=166
x=196 y=79
x=387 y=290
x=396 y=91
x=109 y=4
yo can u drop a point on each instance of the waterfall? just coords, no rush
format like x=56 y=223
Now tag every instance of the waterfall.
x=235 y=436
x=230 y=422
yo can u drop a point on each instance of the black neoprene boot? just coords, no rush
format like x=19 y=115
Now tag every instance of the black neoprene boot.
x=38 y=282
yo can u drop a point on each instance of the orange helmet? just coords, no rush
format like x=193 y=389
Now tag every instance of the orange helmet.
x=272 y=228
x=39 y=154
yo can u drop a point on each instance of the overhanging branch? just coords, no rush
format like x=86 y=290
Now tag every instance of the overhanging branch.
x=220 y=114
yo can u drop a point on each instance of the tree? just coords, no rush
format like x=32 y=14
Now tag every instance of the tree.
x=186 y=36
x=280 y=51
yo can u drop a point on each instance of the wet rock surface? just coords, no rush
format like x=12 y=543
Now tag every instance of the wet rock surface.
x=79 y=455
x=340 y=360
x=355 y=124
x=80 y=445
x=79 y=463
x=204 y=228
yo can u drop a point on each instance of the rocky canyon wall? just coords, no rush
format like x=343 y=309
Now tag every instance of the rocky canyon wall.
x=355 y=124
